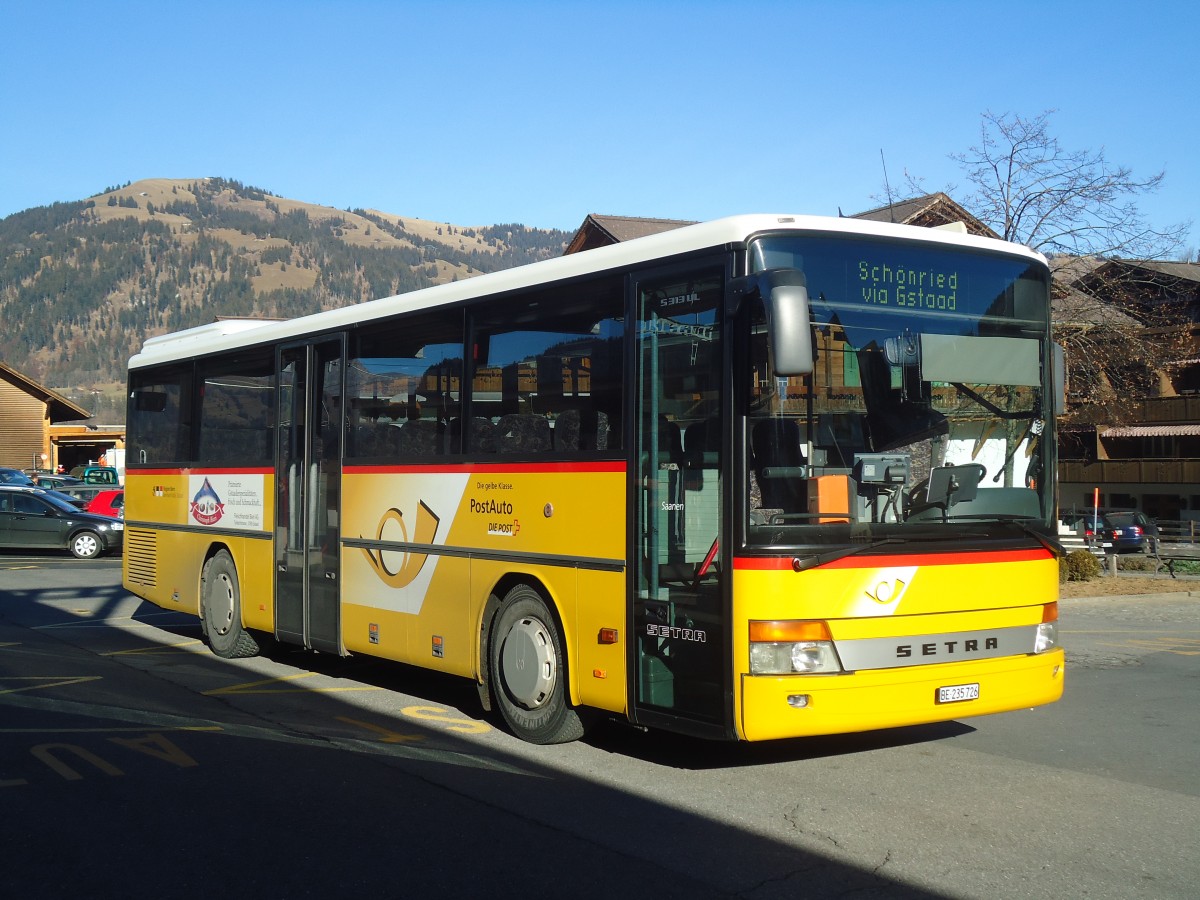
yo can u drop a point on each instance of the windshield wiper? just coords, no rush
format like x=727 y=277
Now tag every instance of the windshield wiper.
x=811 y=562
x=1021 y=522
x=801 y=564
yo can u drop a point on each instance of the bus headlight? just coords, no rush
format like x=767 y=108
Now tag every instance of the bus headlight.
x=1047 y=637
x=791 y=648
x=1047 y=633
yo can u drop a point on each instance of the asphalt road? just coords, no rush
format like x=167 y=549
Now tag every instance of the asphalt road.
x=133 y=761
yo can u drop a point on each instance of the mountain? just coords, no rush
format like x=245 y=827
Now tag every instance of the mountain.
x=82 y=284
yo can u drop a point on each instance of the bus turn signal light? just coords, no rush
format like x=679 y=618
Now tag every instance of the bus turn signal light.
x=797 y=630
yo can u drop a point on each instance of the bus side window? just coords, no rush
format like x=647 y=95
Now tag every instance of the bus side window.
x=160 y=414
x=237 y=410
x=548 y=372
x=403 y=388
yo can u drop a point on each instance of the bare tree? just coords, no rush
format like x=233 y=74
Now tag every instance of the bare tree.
x=1032 y=191
x=1126 y=326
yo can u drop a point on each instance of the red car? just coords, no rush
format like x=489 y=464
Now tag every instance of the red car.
x=108 y=503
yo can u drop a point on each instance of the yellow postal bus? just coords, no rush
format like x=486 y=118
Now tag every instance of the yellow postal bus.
x=757 y=478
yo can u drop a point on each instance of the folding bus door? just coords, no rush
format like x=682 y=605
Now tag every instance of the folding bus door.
x=308 y=495
x=679 y=614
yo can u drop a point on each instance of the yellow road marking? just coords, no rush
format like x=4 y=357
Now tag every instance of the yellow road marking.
x=50 y=681
x=162 y=648
x=252 y=687
x=127 y=622
x=141 y=730
x=1163 y=644
x=389 y=736
x=1126 y=631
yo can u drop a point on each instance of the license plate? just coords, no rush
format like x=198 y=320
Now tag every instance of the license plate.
x=956 y=693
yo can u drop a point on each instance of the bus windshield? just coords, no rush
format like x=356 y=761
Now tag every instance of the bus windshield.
x=926 y=413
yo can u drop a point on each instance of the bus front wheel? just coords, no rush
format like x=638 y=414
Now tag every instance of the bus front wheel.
x=527 y=669
x=221 y=609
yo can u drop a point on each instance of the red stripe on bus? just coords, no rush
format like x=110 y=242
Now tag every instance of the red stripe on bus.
x=777 y=563
x=535 y=468
x=392 y=468
x=201 y=471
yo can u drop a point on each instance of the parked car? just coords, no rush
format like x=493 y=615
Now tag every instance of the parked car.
x=77 y=502
x=14 y=476
x=1129 y=531
x=54 y=482
x=82 y=494
x=34 y=517
x=96 y=475
x=1116 y=530
x=62 y=485
x=108 y=503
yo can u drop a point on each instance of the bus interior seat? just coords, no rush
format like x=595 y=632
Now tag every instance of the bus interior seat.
x=421 y=437
x=581 y=429
x=523 y=433
x=893 y=418
x=701 y=450
x=370 y=439
x=670 y=442
x=220 y=445
x=480 y=435
x=779 y=464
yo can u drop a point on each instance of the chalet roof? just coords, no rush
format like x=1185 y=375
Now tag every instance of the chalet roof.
x=1175 y=270
x=1072 y=268
x=928 y=211
x=1088 y=290
x=600 y=231
x=60 y=408
x=1138 y=431
x=1072 y=308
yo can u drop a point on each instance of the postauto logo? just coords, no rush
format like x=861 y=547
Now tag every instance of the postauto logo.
x=392 y=528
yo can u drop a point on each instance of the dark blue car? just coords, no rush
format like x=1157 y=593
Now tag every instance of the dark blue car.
x=1122 y=531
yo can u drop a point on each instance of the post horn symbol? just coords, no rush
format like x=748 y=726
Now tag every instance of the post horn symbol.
x=410 y=563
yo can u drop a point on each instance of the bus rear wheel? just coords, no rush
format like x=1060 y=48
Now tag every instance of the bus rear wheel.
x=527 y=671
x=221 y=609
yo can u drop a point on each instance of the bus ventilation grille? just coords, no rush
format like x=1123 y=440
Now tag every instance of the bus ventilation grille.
x=141 y=557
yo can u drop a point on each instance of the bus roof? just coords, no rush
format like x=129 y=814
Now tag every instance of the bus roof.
x=229 y=334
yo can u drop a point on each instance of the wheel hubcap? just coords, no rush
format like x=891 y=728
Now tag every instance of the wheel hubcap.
x=528 y=663
x=220 y=605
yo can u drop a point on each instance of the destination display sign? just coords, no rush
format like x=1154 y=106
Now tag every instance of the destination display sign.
x=906 y=287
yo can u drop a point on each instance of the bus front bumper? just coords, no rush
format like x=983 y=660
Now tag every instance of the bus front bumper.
x=787 y=706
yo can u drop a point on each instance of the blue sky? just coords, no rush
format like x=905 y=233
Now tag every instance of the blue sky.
x=541 y=112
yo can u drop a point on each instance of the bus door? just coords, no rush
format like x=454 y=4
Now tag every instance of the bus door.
x=308 y=495
x=678 y=592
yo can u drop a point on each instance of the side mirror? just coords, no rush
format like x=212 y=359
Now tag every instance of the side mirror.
x=1059 y=365
x=789 y=331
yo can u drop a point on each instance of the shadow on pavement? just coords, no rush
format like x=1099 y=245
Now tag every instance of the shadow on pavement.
x=135 y=763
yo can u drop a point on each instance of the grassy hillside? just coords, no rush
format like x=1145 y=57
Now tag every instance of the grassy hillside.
x=82 y=284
